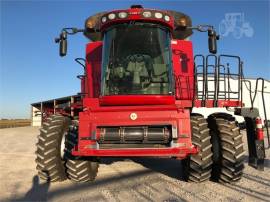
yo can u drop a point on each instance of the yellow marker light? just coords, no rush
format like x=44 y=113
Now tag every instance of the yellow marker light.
x=182 y=22
x=90 y=24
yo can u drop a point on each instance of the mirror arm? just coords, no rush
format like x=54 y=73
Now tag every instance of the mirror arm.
x=202 y=28
x=62 y=40
x=212 y=36
x=72 y=30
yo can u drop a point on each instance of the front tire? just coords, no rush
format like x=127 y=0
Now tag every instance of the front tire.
x=198 y=167
x=50 y=164
x=79 y=169
x=227 y=148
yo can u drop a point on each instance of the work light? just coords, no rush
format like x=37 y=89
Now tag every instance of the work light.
x=111 y=16
x=158 y=15
x=167 y=18
x=147 y=14
x=103 y=19
x=122 y=15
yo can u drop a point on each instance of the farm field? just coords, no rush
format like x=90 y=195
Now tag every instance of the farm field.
x=12 y=123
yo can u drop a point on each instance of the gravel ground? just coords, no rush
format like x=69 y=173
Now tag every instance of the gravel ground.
x=137 y=179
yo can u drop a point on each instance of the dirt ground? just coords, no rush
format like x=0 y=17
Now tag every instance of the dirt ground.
x=148 y=179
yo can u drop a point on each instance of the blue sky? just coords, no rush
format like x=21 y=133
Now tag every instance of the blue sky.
x=31 y=70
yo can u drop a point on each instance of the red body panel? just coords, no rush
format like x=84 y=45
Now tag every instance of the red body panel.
x=179 y=152
x=96 y=116
x=93 y=69
x=182 y=54
x=137 y=100
x=208 y=103
x=220 y=103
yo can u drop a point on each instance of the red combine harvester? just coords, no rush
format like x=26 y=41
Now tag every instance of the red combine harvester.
x=139 y=87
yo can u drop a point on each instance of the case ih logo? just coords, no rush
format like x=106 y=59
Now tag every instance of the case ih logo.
x=133 y=116
x=235 y=24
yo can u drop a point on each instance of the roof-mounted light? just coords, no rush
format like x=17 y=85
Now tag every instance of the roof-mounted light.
x=158 y=15
x=147 y=14
x=103 y=19
x=167 y=18
x=91 y=23
x=182 y=22
x=111 y=16
x=122 y=15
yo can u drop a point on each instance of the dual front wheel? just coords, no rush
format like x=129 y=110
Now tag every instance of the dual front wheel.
x=54 y=159
x=221 y=152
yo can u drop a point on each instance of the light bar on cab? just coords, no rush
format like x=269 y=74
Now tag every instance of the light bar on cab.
x=136 y=15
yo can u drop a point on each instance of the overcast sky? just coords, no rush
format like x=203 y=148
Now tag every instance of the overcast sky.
x=32 y=71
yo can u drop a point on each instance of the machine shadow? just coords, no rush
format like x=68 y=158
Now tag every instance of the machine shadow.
x=267 y=163
x=248 y=191
x=38 y=191
x=260 y=180
x=169 y=167
x=166 y=166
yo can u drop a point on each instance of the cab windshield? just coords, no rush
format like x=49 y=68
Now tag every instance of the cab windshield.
x=136 y=60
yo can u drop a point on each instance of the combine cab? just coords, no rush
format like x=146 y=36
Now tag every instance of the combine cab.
x=140 y=84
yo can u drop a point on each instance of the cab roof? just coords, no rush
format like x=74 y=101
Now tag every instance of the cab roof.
x=94 y=26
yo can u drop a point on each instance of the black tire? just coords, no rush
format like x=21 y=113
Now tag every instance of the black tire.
x=78 y=169
x=50 y=164
x=228 y=148
x=198 y=167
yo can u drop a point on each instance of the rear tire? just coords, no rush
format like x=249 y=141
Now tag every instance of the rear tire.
x=227 y=148
x=50 y=165
x=79 y=169
x=198 y=167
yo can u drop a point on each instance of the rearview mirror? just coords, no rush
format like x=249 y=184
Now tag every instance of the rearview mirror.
x=212 y=41
x=63 y=44
x=62 y=40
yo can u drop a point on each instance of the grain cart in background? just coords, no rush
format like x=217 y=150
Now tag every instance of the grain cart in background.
x=138 y=90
